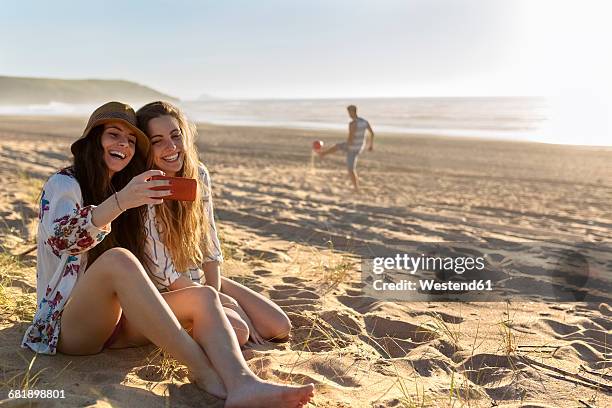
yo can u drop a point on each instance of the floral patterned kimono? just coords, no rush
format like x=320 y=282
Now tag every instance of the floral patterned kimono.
x=65 y=234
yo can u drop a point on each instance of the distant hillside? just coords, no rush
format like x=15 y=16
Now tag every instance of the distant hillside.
x=27 y=91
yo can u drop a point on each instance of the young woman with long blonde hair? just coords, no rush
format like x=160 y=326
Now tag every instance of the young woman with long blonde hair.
x=185 y=235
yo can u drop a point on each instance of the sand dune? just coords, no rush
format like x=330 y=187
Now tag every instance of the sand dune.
x=297 y=234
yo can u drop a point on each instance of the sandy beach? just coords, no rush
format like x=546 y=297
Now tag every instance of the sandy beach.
x=296 y=232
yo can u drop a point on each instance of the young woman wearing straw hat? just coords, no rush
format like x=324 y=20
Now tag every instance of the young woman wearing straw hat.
x=91 y=287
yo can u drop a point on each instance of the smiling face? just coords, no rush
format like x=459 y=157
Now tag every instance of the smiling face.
x=119 y=144
x=166 y=144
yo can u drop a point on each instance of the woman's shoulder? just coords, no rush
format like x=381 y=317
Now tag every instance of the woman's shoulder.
x=202 y=168
x=63 y=179
x=203 y=173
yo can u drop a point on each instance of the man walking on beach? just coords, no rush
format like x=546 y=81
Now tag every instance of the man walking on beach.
x=354 y=145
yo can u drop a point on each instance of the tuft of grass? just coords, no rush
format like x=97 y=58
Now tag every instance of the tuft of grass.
x=336 y=273
x=440 y=326
x=336 y=266
x=315 y=336
x=166 y=367
x=508 y=340
x=26 y=379
x=21 y=305
x=408 y=400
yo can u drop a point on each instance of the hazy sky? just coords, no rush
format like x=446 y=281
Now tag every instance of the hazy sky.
x=316 y=48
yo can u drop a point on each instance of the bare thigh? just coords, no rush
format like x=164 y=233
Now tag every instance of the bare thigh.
x=91 y=313
x=181 y=302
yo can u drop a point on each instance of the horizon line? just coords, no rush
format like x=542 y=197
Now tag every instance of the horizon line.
x=205 y=96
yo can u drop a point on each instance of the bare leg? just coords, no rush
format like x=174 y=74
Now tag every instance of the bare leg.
x=211 y=327
x=239 y=326
x=354 y=179
x=267 y=317
x=116 y=280
x=128 y=336
x=325 y=152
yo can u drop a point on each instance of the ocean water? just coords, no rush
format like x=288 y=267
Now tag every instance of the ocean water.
x=510 y=118
x=570 y=121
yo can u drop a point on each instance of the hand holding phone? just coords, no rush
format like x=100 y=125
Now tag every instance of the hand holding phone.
x=181 y=188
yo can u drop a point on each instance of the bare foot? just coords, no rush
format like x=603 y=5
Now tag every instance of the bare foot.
x=212 y=384
x=264 y=394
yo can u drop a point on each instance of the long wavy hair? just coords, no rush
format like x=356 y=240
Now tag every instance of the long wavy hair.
x=183 y=225
x=91 y=172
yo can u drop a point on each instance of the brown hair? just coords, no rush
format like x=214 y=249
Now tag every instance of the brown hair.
x=183 y=224
x=127 y=230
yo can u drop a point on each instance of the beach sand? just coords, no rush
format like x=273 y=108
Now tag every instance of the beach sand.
x=297 y=233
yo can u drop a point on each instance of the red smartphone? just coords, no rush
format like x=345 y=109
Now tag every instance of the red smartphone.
x=182 y=189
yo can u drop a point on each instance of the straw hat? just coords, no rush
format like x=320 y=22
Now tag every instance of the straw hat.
x=114 y=111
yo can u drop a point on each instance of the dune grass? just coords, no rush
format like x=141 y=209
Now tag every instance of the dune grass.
x=14 y=303
x=165 y=367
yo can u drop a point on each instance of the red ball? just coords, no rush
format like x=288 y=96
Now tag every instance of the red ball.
x=317 y=145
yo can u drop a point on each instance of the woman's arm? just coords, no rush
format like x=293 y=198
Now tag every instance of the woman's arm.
x=135 y=194
x=106 y=212
x=181 y=283
x=212 y=274
x=158 y=261
x=67 y=226
x=70 y=227
x=212 y=264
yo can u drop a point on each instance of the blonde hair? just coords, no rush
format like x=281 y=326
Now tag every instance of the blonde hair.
x=182 y=225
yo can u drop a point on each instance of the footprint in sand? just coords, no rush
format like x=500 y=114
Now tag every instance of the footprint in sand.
x=333 y=372
x=297 y=305
x=293 y=299
x=342 y=321
x=360 y=304
x=597 y=339
x=394 y=338
x=496 y=374
x=293 y=293
x=388 y=347
x=445 y=317
x=262 y=272
x=579 y=351
x=557 y=328
x=311 y=333
x=378 y=326
x=293 y=279
x=286 y=287
x=434 y=364
x=269 y=256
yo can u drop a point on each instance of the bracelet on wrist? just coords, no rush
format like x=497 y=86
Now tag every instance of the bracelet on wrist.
x=117 y=201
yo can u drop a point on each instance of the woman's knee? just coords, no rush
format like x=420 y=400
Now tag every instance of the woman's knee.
x=118 y=257
x=115 y=262
x=241 y=329
x=278 y=328
x=204 y=296
x=282 y=328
